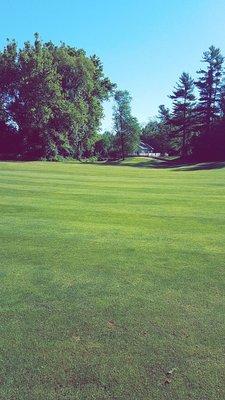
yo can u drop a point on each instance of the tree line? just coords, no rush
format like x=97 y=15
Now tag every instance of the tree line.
x=51 y=106
x=194 y=126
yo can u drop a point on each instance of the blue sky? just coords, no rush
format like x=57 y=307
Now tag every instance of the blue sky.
x=144 y=44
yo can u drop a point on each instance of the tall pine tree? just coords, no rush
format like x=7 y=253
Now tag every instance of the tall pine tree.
x=209 y=83
x=183 y=112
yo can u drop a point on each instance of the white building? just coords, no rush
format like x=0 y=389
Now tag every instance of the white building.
x=146 y=150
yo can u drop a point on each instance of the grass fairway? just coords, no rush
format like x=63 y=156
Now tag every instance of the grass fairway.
x=112 y=276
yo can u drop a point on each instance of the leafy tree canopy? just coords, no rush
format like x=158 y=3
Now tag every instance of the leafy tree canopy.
x=53 y=96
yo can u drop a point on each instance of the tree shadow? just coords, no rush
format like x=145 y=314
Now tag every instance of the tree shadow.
x=144 y=163
x=203 y=166
x=177 y=164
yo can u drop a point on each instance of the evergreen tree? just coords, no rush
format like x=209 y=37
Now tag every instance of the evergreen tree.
x=164 y=116
x=209 y=89
x=183 y=114
x=222 y=101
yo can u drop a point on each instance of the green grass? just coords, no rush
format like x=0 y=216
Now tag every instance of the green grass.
x=111 y=276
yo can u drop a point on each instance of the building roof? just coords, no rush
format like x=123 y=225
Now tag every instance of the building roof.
x=146 y=147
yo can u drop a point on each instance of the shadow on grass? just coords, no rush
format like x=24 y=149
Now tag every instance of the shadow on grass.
x=203 y=166
x=143 y=163
x=176 y=164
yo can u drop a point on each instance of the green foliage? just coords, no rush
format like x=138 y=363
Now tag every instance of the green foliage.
x=157 y=133
x=195 y=126
x=209 y=84
x=210 y=143
x=183 y=114
x=53 y=95
x=105 y=146
x=51 y=108
x=126 y=126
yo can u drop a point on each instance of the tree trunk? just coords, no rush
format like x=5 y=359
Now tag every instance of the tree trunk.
x=122 y=147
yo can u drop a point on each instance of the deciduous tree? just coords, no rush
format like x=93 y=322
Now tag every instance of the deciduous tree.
x=126 y=126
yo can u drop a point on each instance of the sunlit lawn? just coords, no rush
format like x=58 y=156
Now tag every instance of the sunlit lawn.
x=112 y=282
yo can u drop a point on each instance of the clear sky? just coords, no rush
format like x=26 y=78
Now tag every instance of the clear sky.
x=144 y=44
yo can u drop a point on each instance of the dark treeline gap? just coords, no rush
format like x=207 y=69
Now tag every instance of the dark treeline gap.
x=51 y=106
